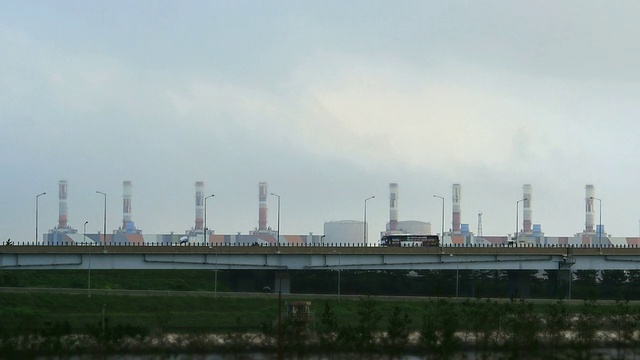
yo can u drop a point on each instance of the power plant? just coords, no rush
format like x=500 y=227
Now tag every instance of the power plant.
x=341 y=231
x=128 y=233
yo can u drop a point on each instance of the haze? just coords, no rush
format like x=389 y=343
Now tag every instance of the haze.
x=328 y=102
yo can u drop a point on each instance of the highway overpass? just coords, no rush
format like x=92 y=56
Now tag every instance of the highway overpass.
x=224 y=257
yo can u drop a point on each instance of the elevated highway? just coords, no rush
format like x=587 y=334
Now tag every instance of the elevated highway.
x=223 y=257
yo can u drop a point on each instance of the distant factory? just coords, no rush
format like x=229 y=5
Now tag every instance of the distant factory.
x=128 y=233
x=459 y=234
x=342 y=232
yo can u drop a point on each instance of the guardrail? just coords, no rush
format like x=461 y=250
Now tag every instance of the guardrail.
x=326 y=245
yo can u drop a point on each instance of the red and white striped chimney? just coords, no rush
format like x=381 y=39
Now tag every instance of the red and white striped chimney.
x=262 y=203
x=393 y=207
x=590 y=210
x=126 y=203
x=199 y=205
x=62 y=209
x=526 y=208
x=455 y=199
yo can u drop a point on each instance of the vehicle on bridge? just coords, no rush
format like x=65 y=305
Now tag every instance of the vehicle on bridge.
x=409 y=240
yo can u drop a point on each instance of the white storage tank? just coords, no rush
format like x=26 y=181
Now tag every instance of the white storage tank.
x=343 y=232
x=415 y=227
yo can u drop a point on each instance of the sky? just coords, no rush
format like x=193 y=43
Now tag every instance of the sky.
x=326 y=101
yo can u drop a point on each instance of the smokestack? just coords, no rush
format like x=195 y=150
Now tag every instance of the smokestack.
x=126 y=204
x=590 y=212
x=393 y=209
x=262 y=203
x=199 y=205
x=526 y=208
x=62 y=196
x=456 y=207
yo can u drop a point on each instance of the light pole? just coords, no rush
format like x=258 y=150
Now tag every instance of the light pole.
x=278 y=232
x=338 y=273
x=515 y=234
x=442 y=224
x=84 y=234
x=600 y=222
x=104 y=222
x=37 y=196
x=457 y=277
x=204 y=232
x=365 y=219
x=215 y=281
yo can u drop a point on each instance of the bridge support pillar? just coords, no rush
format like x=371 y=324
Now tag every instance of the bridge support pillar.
x=283 y=282
x=519 y=283
x=565 y=276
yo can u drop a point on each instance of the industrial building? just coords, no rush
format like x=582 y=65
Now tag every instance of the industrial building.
x=200 y=233
x=344 y=232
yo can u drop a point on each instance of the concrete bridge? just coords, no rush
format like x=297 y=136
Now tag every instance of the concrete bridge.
x=516 y=260
x=224 y=257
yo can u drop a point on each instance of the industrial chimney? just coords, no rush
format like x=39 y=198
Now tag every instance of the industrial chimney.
x=526 y=209
x=126 y=205
x=62 y=196
x=262 y=203
x=199 y=205
x=590 y=211
x=393 y=207
x=456 y=208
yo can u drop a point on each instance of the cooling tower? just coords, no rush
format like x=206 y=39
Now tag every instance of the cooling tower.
x=62 y=212
x=456 y=208
x=393 y=207
x=262 y=203
x=199 y=205
x=590 y=212
x=526 y=209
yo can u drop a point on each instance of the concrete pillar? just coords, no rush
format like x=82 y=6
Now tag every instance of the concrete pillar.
x=282 y=282
x=519 y=284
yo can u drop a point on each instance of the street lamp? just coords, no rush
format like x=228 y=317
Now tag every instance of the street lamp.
x=515 y=234
x=442 y=223
x=215 y=277
x=84 y=234
x=338 y=273
x=104 y=223
x=600 y=222
x=278 y=232
x=365 y=219
x=457 y=277
x=37 y=196
x=204 y=232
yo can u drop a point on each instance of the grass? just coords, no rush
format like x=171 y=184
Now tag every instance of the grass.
x=193 y=313
x=178 y=313
x=184 y=313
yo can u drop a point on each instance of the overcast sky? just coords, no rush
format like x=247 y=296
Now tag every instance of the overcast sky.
x=328 y=102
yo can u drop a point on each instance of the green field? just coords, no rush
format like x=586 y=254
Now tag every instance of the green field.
x=52 y=312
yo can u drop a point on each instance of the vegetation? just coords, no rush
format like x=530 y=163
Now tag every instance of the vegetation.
x=42 y=324
x=45 y=324
x=551 y=284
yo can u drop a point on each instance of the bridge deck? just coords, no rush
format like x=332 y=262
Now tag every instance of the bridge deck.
x=194 y=256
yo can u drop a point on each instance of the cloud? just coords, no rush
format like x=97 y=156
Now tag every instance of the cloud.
x=372 y=111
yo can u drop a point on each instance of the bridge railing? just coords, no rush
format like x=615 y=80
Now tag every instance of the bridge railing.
x=324 y=244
